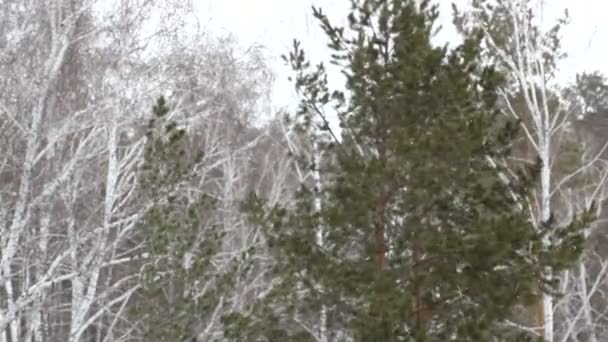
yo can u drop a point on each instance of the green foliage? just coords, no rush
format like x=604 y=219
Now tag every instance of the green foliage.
x=591 y=91
x=180 y=238
x=425 y=238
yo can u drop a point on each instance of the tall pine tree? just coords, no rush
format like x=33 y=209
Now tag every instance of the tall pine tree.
x=425 y=236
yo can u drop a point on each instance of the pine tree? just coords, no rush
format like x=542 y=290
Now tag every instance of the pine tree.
x=426 y=236
x=179 y=240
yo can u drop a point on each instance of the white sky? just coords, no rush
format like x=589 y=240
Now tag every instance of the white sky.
x=275 y=23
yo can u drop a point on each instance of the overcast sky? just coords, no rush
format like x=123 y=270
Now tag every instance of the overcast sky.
x=275 y=23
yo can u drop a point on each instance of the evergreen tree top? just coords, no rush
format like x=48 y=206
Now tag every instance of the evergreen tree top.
x=425 y=234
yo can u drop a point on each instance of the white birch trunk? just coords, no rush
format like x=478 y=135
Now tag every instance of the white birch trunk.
x=524 y=58
x=545 y=214
x=587 y=315
x=319 y=235
x=57 y=150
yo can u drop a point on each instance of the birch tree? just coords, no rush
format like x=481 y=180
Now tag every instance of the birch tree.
x=75 y=72
x=528 y=51
x=580 y=311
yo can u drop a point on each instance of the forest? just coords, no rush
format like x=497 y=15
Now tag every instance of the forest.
x=441 y=193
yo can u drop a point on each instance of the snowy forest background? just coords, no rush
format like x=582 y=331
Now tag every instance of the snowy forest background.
x=129 y=217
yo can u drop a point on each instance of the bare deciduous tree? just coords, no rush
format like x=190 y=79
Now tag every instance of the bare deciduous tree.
x=528 y=53
x=78 y=76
